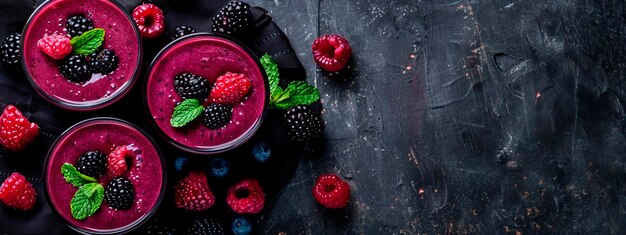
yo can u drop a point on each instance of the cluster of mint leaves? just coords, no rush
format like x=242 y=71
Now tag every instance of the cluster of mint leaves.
x=88 y=198
x=296 y=93
x=88 y=42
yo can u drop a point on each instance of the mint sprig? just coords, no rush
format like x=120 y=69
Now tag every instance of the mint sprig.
x=88 y=42
x=87 y=200
x=185 y=112
x=74 y=177
x=296 y=93
x=271 y=69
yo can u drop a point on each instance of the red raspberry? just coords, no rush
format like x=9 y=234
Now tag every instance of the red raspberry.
x=331 y=192
x=56 y=45
x=246 y=197
x=193 y=193
x=331 y=52
x=116 y=161
x=230 y=88
x=15 y=130
x=17 y=192
x=149 y=19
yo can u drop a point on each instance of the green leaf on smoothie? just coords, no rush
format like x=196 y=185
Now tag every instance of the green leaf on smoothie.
x=87 y=200
x=271 y=69
x=74 y=177
x=185 y=112
x=297 y=93
x=88 y=42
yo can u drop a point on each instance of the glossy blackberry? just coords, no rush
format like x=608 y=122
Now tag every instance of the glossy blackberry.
x=216 y=116
x=303 y=124
x=10 y=50
x=191 y=86
x=184 y=30
x=75 y=68
x=77 y=25
x=232 y=19
x=92 y=163
x=104 y=61
x=120 y=193
x=206 y=227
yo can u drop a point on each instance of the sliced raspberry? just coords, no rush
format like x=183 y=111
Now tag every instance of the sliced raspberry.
x=246 y=197
x=18 y=193
x=116 y=161
x=16 y=132
x=331 y=52
x=230 y=88
x=56 y=45
x=331 y=192
x=193 y=193
x=149 y=19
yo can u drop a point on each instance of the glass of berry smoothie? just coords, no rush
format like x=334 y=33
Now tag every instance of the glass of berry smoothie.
x=103 y=176
x=81 y=54
x=215 y=85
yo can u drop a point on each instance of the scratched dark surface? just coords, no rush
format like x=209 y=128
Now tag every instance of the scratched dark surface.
x=479 y=117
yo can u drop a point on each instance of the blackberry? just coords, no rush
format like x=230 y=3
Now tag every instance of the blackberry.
x=75 y=68
x=232 y=19
x=206 y=227
x=184 y=30
x=303 y=124
x=92 y=163
x=190 y=86
x=103 y=62
x=10 y=50
x=216 y=116
x=158 y=227
x=120 y=193
x=77 y=25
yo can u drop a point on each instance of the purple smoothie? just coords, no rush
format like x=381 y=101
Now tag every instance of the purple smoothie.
x=209 y=57
x=104 y=135
x=120 y=36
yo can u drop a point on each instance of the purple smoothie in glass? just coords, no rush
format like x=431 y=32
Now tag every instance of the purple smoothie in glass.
x=208 y=56
x=121 y=36
x=104 y=134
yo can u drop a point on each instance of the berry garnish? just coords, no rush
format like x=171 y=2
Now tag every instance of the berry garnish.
x=103 y=62
x=17 y=192
x=92 y=163
x=303 y=124
x=206 y=227
x=191 y=86
x=296 y=93
x=232 y=19
x=246 y=197
x=331 y=192
x=149 y=19
x=230 y=88
x=184 y=30
x=76 y=69
x=56 y=45
x=331 y=52
x=10 y=50
x=77 y=25
x=216 y=116
x=16 y=132
x=219 y=167
x=120 y=193
x=241 y=226
x=193 y=193
x=116 y=161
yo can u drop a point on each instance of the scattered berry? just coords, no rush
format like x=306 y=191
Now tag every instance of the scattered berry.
x=158 y=227
x=56 y=45
x=103 y=62
x=331 y=192
x=331 y=52
x=116 y=161
x=230 y=88
x=16 y=132
x=92 y=163
x=261 y=152
x=191 y=86
x=179 y=163
x=219 y=167
x=120 y=193
x=149 y=19
x=76 y=69
x=17 y=192
x=77 y=25
x=206 y=227
x=241 y=226
x=184 y=30
x=303 y=124
x=10 y=50
x=246 y=197
x=216 y=116
x=232 y=19
x=193 y=193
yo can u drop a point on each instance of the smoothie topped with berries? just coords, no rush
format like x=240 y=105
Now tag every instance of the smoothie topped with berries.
x=81 y=55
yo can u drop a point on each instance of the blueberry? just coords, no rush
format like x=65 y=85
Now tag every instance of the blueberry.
x=179 y=163
x=241 y=226
x=219 y=167
x=261 y=152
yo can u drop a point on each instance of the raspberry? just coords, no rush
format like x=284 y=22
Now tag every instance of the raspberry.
x=241 y=226
x=232 y=19
x=92 y=163
x=17 y=192
x=230 y=88
x=193 y=193
x=206 y=227
x=10 y=50
x=331 y=52
x=184 y=30
x=191 y=86
x=103 y=62
x=120 y=193
x=216 y=116
x=56 y=45
x=246 y=197
x=16 y=132
x=76 y=69
x=116 y=161
x=303 y=124
x=331 y=192
x=149 y=19
x=77 y=25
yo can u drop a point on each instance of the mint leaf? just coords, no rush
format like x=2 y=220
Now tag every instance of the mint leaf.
x=271 y=69
x=185 y=112
x=88 y=42
x=87 y=200
x=297 y=93
x=74 y=177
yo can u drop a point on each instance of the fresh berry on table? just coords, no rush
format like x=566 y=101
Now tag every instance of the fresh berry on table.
x=10 y=50
x=92 y=163
x=219 y=167
x=56 y=45
x=331 y=52
x=17 y=192
x=184 y=30
x=261 y=152
x=159 y=227
x=246 y=197
x=149 y=19
x=120 y=193
x=303 y=124
x=193 y=193
x=16 y=132
x=241 y=226
x=77 y=25
x=191 y=86
x=116 y=161
x=230 y=88
x=205 y=226
x=216 y=116
x=104 y=61
x=232 y=19
x=76 y=69
x=331 y=191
